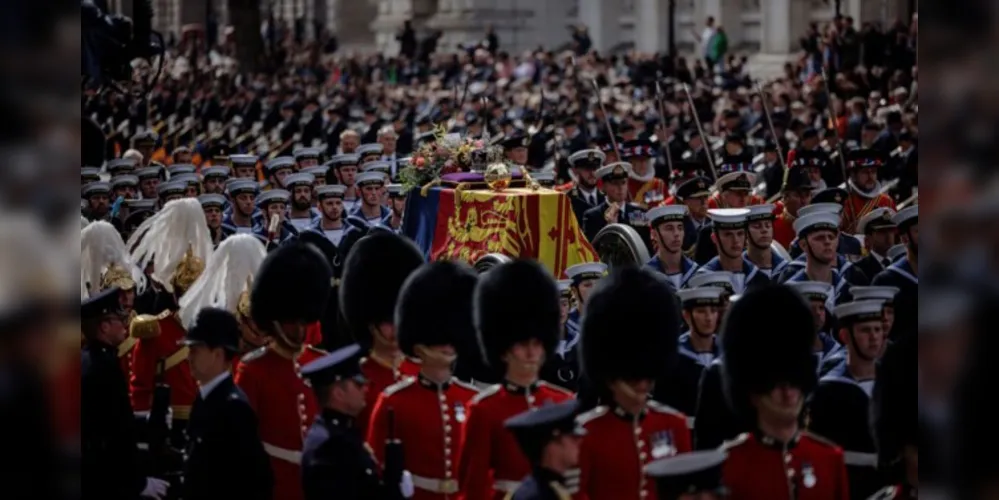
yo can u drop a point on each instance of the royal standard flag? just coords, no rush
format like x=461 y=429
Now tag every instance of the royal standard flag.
x=517 y=222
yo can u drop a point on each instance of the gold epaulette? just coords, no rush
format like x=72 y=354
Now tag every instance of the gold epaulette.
x=147 y=326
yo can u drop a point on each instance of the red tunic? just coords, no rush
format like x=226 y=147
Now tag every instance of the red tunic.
x=490 y=463
x=715 y=202
x=380 y=376
x=617 y=447
x=125 y=356
x=809 y=468
x=285 y=407
x=783 y=226
x=647 y=194
x=158 y=336
x=856 y=207
x=428 y=421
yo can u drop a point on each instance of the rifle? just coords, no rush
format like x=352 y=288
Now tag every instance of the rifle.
x=394 y=461
x=165 y=462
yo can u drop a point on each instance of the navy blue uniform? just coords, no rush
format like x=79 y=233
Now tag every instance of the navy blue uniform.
x=714 y=422
x=542 y=484
x=336 y=463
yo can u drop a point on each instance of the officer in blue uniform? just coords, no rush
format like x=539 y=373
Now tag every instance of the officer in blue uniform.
x=694 y=475
x=615 y=185
x=879 y=236
x=728 y=236
x=904 y=274
x=667 y=227
x=335 y=461
x=694 y=194
x=549 y=438
x=583 y=192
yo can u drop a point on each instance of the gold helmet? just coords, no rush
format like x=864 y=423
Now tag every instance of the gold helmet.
x=117 y=276
x=176 y=241
x=221 y=281
x=105 y=261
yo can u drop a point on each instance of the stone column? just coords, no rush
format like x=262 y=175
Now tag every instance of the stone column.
x=727 y=14
x=782 y=24
x=602 y=19
x=652 y=25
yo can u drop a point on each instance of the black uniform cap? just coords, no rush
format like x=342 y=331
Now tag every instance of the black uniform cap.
x=341 y=364
x=435 y=307
x=105 y=302
x=214 y=327
x=831 y=195
x=797 y=180
x=536 y=427
x=292 y=284
x=374 y=271
x=644 y=350
x=694 y=188
x=515 y=302
x=688 y=473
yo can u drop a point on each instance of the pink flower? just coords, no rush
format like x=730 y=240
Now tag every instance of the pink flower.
x=478 y=144
x=419 y=162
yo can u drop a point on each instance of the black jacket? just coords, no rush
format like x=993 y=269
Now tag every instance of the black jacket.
x=630 y=214
x=109 y=463
x=224 y=454
x=714 y=422
x=337 y=464
x=542 y=484
x=579 y=203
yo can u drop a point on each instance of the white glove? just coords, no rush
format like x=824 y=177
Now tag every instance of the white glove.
x=155 y=488
x=406 y=484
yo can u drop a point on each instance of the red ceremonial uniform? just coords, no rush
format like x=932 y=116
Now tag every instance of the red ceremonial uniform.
x=807 y=468
x=564 y=188
x=715 y=202
x=125 y=356
x=428 y=421
x=617 y=447
x=647 y=194
x=271 y=377
x=856 y=207
x=157 y=341
x=783 y=226
x=490 y=463
x=380 y=375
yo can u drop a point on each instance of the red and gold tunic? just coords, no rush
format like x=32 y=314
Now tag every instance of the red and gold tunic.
x=783 y=226
x=125 y=356
x=490 y=463
x=380 y=375
x=857 y=206
x=428 y=419
x=157 y=342
x=618 y=446
x=806 y=468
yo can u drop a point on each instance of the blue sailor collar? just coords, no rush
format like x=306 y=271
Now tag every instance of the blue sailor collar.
x=687 y=267
x=572 y=335
x=748 y=268
x=904 y=268
x=779 y=263
x=842 y=263
x=686 y=349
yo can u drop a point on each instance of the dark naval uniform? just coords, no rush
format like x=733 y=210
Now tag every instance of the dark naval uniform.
x=581 y=203
x=687 y=269
x=902 y=276
x=750 y=276
x=714 y=422
x=589 y=159
x=679 y=390
x=533 y=430
x=542 y=484
x=630 y=214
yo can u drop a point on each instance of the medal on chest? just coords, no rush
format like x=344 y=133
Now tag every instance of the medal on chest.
x=459 y=412
x=808 y=478
x=662 y=444
x=637 y=218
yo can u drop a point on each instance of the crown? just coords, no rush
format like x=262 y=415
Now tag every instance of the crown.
x=187 y=271
x=117 y=276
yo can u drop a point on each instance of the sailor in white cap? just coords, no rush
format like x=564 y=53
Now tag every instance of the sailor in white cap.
x=615 y=209
x=149 y=178
x=239 y=213
x=370 y=185
x=701 y=310
x=885 y=294
x=818 y=233
x=563 y=369
x=666 y=226
x=214 y=178
x=849 y=247
x=98 y=196
x=904 y=273
x=306 y=157
x=840 y=405
x=819 y=298
x=584 y=277
x=397 y=206
x=244 y=166
x=729 y=237
x=274 y=226
x=330 y=223
x=277 y=169
x=300 y=213
x=125 y=186
x=759 y=237
x=212 y=204
x=879 y=235
x=582 y=191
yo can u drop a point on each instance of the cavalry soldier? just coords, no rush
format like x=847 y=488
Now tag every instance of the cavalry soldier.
x=223 y=440
x=759 y=237
x=517 y=319
x=644 y=188
x=289 y=293
x=864 y=189
x=615 y=208
x=839 y=408
x=176 y=242
x=667 y=228
x=896 y=432
x=903 y=274
x=698 y=347
x=818 y=235
x=694 y=194
x=817 y=295
x=728 y=234
x=691 y=476
x=336 y=463
x=583 y=277
x=374 y=271
x=549 y=438
x=879 y=236
x=582 y=190
x=796 y=192
x=330 y=222
x=427 y=413
x=628 y=430
x=769 y=372
x=735 y=181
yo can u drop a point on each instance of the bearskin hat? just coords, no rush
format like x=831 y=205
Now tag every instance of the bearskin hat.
x=373 y=273
x=647 y=347
x=761 y=353
x=515 y=302
x=892 y=401
x=292 y=284
x=435 y=307
x=329 y=323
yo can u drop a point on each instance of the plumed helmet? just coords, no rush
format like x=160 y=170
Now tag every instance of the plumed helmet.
x=647 y=347
x=760 y=353
x=292 y=284
x=435 y=307
x=373 y=273
x=515 y=302
x=892 y=401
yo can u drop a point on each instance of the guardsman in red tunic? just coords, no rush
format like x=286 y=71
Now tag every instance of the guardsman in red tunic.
x=518 y=319
x=628 y=430
x=769 y=371
x=865 y=190
x=373 y=274
x=644 y=188
x=896 y=432
x=427 y=412
x=796 y=192
x=176 y=241
x=289 y=293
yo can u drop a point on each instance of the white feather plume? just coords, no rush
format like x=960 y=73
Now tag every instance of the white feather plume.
x=101 y=247
x=83 y=222
x=227 y=274
x=164 y=238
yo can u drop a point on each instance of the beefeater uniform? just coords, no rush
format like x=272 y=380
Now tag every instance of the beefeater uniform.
x=373 y=274
x=427 y=417
x=618 y=445
x=515 y=302
x=647 y=191
x=761 y=354
x=291 y=286
x=859 y=203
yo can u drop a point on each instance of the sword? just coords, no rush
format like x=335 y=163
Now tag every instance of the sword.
x=607 y=124
x=664 y=143
x=773 y=132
